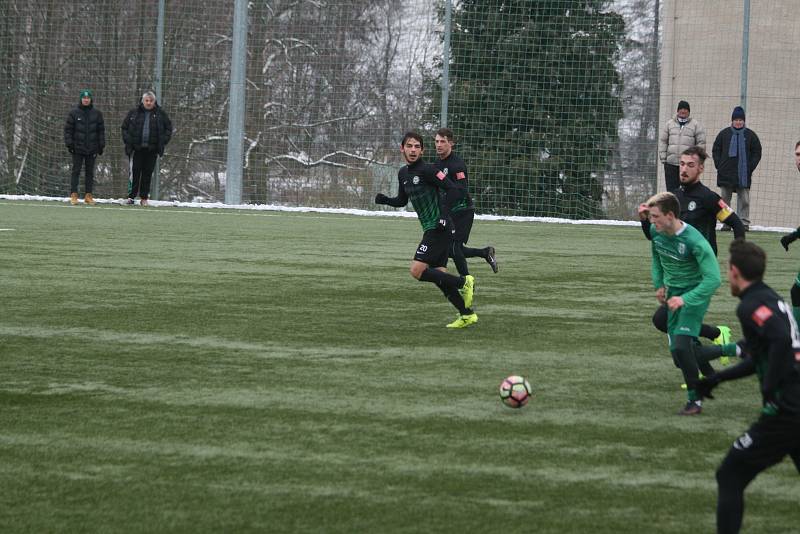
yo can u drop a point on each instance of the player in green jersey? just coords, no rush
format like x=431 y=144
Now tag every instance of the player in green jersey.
x=420 y=183
x=685 y=275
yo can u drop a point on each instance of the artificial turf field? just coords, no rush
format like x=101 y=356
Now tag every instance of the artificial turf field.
x=188 y=370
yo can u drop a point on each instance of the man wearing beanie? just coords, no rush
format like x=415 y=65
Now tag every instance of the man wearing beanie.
x=85 y=137
x=681 y=132
x=736 y=153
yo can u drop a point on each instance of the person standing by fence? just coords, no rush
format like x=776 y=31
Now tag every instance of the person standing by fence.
x=146 y=131
x=85 y=137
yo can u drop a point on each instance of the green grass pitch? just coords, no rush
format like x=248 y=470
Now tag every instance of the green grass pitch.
x=170 y=369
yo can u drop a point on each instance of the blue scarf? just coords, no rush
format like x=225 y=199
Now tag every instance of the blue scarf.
x=737 y=147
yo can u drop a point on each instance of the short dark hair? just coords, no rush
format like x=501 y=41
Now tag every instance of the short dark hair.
x=698 y=151
x=749 y=258
x=415 y=136
x=797 y=145
x=666 y=202
x=446 y=132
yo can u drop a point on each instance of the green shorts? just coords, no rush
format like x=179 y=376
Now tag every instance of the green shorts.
x=686 y=320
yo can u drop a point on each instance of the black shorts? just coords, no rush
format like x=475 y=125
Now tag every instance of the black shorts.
x=433 y=248
x=768 y=441
x=462 y=220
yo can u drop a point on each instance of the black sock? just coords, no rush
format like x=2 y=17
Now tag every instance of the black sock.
x=475 y=252
x=457 y=253
x=455 y=299
x=709 y=332
x=441 y=277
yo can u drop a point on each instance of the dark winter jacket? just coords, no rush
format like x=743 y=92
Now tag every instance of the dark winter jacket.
x=728 y=167
x=85 y=131
x=160 y=130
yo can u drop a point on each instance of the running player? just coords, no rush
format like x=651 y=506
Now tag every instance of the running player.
x=421 y=183
x=772 y=351
x=463 y=211
x=685 y=275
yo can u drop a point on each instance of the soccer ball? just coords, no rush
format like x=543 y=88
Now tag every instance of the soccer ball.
x=515 y=391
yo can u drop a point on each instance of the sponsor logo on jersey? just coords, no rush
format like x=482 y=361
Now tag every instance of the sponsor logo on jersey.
x=460 y=175
x=743 y=442
x=761 y=315
x=692 y=205
x=415 y=180
x=440 y=175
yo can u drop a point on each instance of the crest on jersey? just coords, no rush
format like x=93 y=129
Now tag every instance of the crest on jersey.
x=681 y=248
x=445 y=170
x=415 y=180
x=692 y=205
x=761 y=315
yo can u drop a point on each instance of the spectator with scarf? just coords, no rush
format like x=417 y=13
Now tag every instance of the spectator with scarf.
x=736 y=153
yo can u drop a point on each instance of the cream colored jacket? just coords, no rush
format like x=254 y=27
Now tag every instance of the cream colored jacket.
x=673 y=139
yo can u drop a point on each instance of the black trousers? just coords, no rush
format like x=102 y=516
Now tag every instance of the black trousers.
x=768 y=441
x=672 y=177
x=142 y=163
x=78 y=161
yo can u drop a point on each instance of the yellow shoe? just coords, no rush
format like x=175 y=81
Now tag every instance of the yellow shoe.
x=464 y=321
x=89 y=199
x=468 y=290
x=723 y=338
x=73 y=198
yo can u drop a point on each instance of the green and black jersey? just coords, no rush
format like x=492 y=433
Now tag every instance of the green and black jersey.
x=456 y=171
x=772 y=343
x=685 y=262
x=420 y=183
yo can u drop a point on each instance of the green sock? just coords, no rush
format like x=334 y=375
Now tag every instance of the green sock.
x=692 y=394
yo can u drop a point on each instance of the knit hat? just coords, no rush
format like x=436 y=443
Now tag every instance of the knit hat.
x=683 y=104
x=86 y=92
x=738 y=113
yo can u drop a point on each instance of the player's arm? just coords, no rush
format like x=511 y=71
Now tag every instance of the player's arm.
x=773 y=326
x=396 y=202
x=450 y=193
x=656 y=269
x=644 y=218
x=709 y=270
x=726 y=215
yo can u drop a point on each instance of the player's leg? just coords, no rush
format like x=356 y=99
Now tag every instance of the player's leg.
x=429 y=266
x=660 y=318
x=795 y=293
x=764 y=444
x=457 y=253
x=683 y=353
x=487 y=253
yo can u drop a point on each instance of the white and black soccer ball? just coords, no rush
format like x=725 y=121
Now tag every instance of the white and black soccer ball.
x=515 y=391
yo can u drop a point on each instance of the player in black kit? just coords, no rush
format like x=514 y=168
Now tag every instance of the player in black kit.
x=463 y=211
x=421 y=183
x=702 y=208
x=771 y=348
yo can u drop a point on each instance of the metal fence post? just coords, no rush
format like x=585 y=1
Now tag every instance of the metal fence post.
x=234 y=170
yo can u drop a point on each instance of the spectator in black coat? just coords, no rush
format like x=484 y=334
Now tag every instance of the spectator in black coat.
x=85 y=137
x=737 y=152
x=146 y=131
